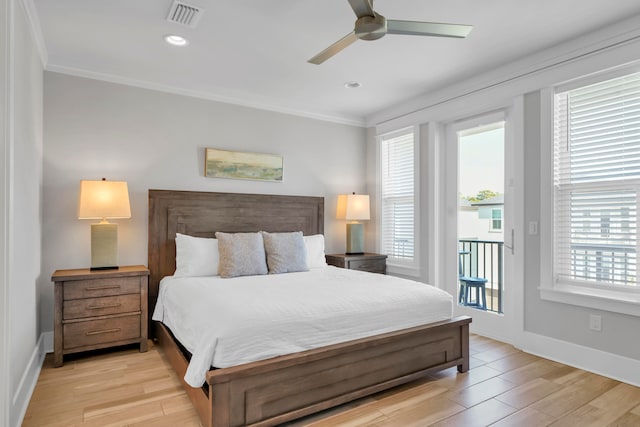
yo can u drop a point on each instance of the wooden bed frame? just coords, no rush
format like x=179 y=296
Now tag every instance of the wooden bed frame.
x=280 y=389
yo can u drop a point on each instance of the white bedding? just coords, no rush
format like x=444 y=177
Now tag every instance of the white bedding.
x=227 y=322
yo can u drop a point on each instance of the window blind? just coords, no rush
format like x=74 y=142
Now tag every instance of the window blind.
x=596 y=183
x=397 y=191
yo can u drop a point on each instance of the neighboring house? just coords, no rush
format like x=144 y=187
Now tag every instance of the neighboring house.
x=481 y=220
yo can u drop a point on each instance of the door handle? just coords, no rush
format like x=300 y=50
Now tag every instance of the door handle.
x=512 y=245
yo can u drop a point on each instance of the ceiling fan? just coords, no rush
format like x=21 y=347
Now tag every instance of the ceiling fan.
x=371 y=26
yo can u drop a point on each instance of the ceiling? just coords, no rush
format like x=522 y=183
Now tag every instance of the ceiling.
x=255 y=52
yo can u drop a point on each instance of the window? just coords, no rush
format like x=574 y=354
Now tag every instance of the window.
x=596 y=184
x=496 y=219
x=397 y=196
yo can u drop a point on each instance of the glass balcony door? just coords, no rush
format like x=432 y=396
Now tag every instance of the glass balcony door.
x=479 y=226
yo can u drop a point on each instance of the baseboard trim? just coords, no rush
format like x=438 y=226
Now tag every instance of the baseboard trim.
x=599 y=362
x=21 y=399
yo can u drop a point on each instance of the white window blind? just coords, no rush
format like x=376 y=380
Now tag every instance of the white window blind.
x=397 y=191
x=596 y=183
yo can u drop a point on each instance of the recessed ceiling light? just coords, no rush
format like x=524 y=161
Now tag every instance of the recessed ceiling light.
x=176 y=40
x=352 y=85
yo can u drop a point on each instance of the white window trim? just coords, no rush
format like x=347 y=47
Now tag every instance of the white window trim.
x=618 y=301
x=396 y=266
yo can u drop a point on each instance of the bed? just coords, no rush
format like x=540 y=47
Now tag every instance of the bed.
x=279 y=389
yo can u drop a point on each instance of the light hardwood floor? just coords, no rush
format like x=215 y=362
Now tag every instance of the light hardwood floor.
x=505 y=387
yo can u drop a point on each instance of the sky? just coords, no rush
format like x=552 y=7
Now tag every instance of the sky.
x=481 y=162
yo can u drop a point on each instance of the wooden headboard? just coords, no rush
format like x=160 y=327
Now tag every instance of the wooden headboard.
x=201 y=214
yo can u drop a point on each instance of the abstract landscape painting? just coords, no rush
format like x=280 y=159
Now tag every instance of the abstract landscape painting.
x=239 y=165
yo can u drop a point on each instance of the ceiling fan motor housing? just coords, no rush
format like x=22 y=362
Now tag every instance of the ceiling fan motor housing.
x=371 y=27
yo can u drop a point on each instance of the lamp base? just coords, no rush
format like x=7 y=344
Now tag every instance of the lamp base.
x=355 y=239
x=104 y=246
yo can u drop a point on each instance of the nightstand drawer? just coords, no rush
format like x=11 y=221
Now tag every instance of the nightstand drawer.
x=89 y=307
x=92 y=332
x=101 y=287
x=370 y=262
x=373 y=266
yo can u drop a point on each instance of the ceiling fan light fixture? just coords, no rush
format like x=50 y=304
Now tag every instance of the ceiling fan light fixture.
x=176 y=40
x=371 y=27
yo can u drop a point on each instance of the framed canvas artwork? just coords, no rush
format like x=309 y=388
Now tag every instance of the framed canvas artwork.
x=242 y=165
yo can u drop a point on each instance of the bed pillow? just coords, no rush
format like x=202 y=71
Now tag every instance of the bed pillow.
x=196 y=256
x=241 y=254
x=315 y=251
x=286 y=252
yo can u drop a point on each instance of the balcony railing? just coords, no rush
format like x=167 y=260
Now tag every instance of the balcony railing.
x=614 y=264
x=483 y=258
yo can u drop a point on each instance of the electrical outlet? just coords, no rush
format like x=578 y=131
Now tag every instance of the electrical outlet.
x=595 y=322
x=533 y=228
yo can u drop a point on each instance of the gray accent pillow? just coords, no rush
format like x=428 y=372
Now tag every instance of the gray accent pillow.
x=241 y=254
x=286 y=252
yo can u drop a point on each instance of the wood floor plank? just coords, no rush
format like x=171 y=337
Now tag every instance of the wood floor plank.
x=506 y=387
x=426 y=413
x=526 y=417
x=483 y=414
x=480 y=392
x=605 y=409
x=531 y=371
x=528 y=393
x=512 y=361
x=574 y=395
x=627 y=420
x=496 y=352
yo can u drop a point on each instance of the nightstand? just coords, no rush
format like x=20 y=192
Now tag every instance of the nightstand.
x=99 y=309
x=373 y=263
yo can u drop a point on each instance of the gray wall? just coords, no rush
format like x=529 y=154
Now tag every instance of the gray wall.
x=155 y=140
x=562 y=321
x=24 y=211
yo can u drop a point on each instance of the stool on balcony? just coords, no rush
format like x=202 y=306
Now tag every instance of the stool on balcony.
x=477 y=283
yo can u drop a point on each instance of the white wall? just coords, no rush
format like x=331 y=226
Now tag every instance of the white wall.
x=155 y=140
x=5 y=37
x=23 y=212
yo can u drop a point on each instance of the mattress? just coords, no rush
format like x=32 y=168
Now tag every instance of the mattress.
x=228 y=322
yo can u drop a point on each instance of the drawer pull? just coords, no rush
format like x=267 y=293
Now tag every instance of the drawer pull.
x=104 y=331
x=98 y=307
x=101 y=288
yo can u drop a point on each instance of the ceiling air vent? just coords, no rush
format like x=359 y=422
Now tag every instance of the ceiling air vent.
x=185 y=14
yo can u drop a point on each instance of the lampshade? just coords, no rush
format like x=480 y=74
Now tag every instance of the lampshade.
x=353 y=207
x=103 y=199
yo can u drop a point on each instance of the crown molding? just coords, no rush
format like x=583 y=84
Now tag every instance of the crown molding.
x=112 y=78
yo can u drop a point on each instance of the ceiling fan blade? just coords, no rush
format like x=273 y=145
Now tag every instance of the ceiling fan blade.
x=334 y=48
x=362 y=7
x=428 y=29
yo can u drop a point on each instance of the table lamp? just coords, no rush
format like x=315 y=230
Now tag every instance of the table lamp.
x=354 y=207
x=104 y=200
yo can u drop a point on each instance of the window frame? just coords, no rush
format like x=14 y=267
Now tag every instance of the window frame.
x=408 y=267
x=610 y=298
x=492 y=228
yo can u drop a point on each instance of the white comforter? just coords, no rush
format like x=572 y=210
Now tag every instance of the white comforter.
x=227 y=322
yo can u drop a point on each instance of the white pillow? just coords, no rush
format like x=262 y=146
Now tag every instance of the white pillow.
x=315 y=251
x=196 y=256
